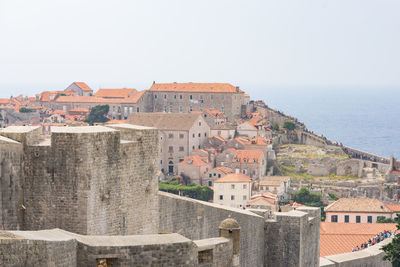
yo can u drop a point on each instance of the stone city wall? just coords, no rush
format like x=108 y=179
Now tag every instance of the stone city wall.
x=196 y=219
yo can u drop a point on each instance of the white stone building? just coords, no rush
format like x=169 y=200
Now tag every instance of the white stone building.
x=233 y=190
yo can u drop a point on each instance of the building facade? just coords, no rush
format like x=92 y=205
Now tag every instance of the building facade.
x=233 y=190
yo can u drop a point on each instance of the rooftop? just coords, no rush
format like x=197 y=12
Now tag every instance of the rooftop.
x=234 y=178
x=83 y=86
x=249 y=156
x=114 y=93
x=357 y=205
x=165 y=121
x=194 y=87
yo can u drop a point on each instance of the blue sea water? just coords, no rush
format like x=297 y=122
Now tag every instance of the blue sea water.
x=368 y=120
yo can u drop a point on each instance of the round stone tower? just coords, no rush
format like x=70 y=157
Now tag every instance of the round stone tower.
x=229 y=228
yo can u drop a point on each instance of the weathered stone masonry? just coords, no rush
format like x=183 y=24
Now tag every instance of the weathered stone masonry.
x=88 y=180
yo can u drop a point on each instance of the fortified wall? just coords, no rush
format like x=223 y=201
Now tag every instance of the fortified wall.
x=87 y=180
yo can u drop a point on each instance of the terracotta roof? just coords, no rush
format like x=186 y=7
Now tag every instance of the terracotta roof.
x=261 y=200
x=260 y=141
x=4 y=100
x=248 y=155
x=357 y=205
x=215 y=113
x=224 y=170
x=194 y=87
x=114 y=93
x=32 y=99
x=59 y=112
x=395 y=171
x=165 y=121
x=83 y=86
x=135 y=97
x=234 y=178
x=219 y=138
x=393 y=207
x=339 y=238
x=195 y=160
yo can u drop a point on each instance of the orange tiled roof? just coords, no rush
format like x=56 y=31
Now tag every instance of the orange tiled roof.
x=79 y=110
x=234 y=178
x=114 y=93
x=59 y=112
x=83 y=86
x=248 y=155
x=219 y=138
x=339 y=238
x=215 y=113
x=94 y=99
x=4 y=100
x=195 y=160
x=357 y=205
x=32 y=99
x=194 y=87
x=268 y=201
x=224 y=170
x=393 y=207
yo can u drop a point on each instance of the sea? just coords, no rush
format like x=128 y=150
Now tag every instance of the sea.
x=368 y=120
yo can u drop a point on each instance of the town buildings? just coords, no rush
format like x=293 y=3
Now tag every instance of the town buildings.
x=360 y=210
x=233 y=190
x=188 y=97
x=278 y=185
x=194 y=167
x=179 y=135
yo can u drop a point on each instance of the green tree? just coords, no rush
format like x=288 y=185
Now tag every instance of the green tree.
x=199 y=192
x=289 y=125
x=383 y=219
x=392 y=249
x=275 y=126
x=332 y=196
x=98 y=114
x=305 y=197
x=25 y=110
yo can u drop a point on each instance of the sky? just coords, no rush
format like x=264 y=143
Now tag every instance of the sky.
x=257 y=45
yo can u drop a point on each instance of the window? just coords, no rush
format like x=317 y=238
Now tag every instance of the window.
x=369 y=219
x=219 y=175
x=334 y=218
x=232 y=186
x=214 y=173
x=160 y=161
x=244 y=171
x=221 y=197
x=210 y=175
x=199 y=135
x=171 y=149
x=201 y=97
x=181 y=136
x=205 y=134
x=245 y=186
x=346 y=218
x=358 y=219
x=181 y=148
x=180 y=109
x=244 y=197
x=170 y=136
x=193 y=147
x=190 y=96
x=193 y=135
x=137 y=110
x=209 y=183
x=199 y=146
x=155 y=96
x=211 y=97
x=199 y=123
x=232 y=197
x=180 y=96
x=165 y=96
x=180 y=160
x=174 y=96
x=170 y=108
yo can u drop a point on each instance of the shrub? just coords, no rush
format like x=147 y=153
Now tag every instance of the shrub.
x=199 y=192
x=25 y=110
x=289 y=125
x=98 y=114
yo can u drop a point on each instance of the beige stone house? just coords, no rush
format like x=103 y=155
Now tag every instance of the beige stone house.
x=278 y=185
x=214 y=174
x=194 y=167
x=359 y=210
x=226 y=131
x=214 y=117
x=179 y=135
x=188 y=97
x=81 y=88
x=233 y=190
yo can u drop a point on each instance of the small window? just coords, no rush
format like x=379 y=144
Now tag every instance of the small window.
x=180 y=96
x=190 y=96
x=137 y=110
x=346 y=218
x=181 y=148
x=180 y=109
x=232 y=197
x=219 y=175
x=194 y=135
x=369 y=219
x=171 y=149
x=245 y=186
x=209 y=183
x=210 y=175
x=244 y=197
x=193 y=147
x=201 y=97
x=160 y=161
x=170 y=136
x=334 y=218
x=174 y=96
x=232 y=186
x=199 y=123
x=221 y=197
x=155 y=96
x=181 y=136
x=211 y=97
x=199 y=146
x=180 y=160
x=199 y=135
x=205 y=134
x=165 y=96
x=358 y=219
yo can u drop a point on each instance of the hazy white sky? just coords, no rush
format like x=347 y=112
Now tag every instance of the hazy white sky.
x=47 y=44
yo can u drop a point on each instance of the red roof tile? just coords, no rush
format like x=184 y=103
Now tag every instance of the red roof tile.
x=234 y=178
x=357 y=205
x=248 y=156
x=195 y=160
x=194 y=87
x=83 y=86
x=114 y=93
